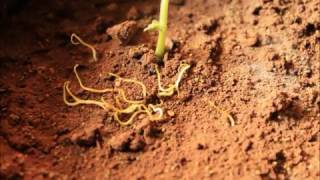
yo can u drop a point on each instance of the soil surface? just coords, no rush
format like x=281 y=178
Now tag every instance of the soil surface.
x=257 y=61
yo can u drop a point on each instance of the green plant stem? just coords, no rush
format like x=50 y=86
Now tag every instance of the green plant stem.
x=160 y=50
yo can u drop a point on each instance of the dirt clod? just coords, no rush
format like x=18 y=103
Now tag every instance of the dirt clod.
x=277 y=104
x=124 y=32
x=121 y=142
x=137 y=144
x=86 y=137
x=207 y=25
x=127 y=142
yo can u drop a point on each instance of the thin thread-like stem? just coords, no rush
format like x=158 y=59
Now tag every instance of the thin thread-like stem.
x=80 y=41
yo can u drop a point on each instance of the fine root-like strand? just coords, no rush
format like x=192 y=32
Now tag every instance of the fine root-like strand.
x=136 y=109
x=129 y=121
x=117 y=100
x=157 y=110
x=164 y=91
x=133 y=107
x=80 y=41
x=109 y=106
x=88 y=88
x=159 y=79
x=232 y=122
x=78 y=101
x=154 y=113
x=130 y=109
x=181 y=70
x=144 y=88
x=125 y=99
x=114 y=90
x=223 y=112
x=168 y=92
x=171 y=87
x=65 y=100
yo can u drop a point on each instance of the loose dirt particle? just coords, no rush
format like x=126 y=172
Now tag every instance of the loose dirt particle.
x=171 y=113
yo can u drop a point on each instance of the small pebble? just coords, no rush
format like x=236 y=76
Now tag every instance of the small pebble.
x=171 y=113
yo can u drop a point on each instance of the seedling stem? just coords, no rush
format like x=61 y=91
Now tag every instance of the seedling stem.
x=162 y=27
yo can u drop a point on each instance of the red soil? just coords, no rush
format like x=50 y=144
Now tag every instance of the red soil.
x=257 y=60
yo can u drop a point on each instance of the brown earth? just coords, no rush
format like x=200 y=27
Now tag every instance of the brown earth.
x=257 y=60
